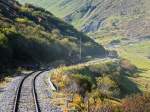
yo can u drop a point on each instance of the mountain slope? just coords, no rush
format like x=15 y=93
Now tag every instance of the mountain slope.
x=95 y=15
x=30 y=34
x=121 y=25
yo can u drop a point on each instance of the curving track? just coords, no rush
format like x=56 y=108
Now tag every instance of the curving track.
x=26 y=96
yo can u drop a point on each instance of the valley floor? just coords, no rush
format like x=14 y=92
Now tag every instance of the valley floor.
x=139 y=55
x=137 y=51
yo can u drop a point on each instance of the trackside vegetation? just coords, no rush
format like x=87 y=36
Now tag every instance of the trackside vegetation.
x=104 y=85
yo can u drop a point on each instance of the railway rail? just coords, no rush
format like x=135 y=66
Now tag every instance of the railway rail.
x=26 y=96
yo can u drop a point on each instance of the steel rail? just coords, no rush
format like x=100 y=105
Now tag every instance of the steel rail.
x=18 y=92
x=35 y=93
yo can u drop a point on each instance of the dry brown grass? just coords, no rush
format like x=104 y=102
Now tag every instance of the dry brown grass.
x=4 y=83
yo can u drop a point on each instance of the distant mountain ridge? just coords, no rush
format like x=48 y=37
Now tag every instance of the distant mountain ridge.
x=93 y=15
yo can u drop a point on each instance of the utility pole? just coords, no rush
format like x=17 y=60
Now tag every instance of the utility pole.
x=88 y=106
x=86 y=100
x=80 y=49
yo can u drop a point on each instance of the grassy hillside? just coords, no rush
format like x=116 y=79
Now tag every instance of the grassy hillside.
x=98 y=86
x=93 y=15
x=138 y=54
x=32 y=35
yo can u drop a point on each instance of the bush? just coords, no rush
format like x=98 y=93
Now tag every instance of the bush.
x=83 y=82
x=24 y=9
x=3 y=40
x=23 y=20
x=105 y=106
x=137 y=103
x=127 y=68
x=99 y=69
x=108 y=86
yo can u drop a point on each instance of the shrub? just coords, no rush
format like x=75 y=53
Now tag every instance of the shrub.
x=78 y=102
x=24 y=9
x=83 y=82
x=127 y=68
x=23 y=20
x=105 y=106
x=137 y=103
x=117 y=41
x=107 y=86
x=3 y=39
x=98 y=69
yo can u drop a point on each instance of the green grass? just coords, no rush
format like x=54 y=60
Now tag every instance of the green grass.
x=137 y=54
x=104 y=40
x=54 y=6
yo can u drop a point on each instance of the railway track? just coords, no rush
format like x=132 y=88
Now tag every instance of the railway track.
x=26 y=95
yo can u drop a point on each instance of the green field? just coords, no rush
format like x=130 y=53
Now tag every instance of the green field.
x=138 y=55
